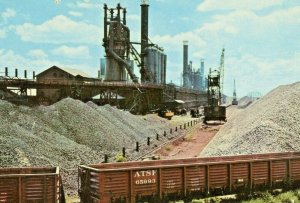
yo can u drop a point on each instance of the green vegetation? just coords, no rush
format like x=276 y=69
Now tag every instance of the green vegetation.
x=119 y=158
x=286 y=197
x=264 y=197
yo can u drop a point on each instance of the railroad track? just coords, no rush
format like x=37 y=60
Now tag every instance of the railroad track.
x=181 y=136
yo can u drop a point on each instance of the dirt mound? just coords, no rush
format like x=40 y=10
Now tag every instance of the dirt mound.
x=271 y=124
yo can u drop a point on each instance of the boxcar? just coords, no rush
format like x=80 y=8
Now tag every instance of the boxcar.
x=164 y=180
x=31 y=185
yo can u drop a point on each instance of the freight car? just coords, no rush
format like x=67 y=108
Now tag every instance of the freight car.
x=26 y=185
x=164 y=180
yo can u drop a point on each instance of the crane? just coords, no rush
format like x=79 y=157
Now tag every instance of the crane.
x=234 y=100
x=214 y=109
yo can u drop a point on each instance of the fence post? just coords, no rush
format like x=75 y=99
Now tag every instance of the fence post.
x=157 y=136
x=148 y=141
x=124 y=152
x=137 y=147
x=105 y=158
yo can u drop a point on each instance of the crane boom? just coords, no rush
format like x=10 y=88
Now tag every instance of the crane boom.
x=222 y=71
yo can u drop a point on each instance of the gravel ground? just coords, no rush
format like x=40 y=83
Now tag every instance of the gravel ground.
x=270 y=124
x=69 y=133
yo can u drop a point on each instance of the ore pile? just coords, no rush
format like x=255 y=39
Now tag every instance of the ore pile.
x=271 y=124
x=245 y=102
x=69 y=133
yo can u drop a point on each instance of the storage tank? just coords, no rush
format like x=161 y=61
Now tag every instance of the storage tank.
x=162 y=72
x=156 y=64
x=158 y=67
x=165 y=69
x=197 y=80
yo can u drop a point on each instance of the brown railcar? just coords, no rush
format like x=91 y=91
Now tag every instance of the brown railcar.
x=163 y=180
x=31 y=185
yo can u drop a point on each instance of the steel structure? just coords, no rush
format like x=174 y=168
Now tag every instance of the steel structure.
x=116 y=42
x=138 y=98
x=221 y=70
x=115 y=89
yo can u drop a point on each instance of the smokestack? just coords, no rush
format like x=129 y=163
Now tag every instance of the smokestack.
x=202 y=78
x=202 y=66
x=185 y=64
x=144 y=34
x=185 y=55
x=6 y=71
x=144 y=24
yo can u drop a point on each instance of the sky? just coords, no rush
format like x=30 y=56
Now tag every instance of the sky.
x=261 y=37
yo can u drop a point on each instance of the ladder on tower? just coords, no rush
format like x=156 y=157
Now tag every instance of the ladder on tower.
x=135 y=55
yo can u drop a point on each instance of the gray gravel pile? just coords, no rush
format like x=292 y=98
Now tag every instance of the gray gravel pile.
x=245 y=102
x=69 y=133
x=271 y=124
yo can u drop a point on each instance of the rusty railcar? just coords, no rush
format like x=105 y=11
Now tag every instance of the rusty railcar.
x=28 y=185
x=164 y=180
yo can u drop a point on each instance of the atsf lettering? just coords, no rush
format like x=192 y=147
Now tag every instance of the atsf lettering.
x=145 y=177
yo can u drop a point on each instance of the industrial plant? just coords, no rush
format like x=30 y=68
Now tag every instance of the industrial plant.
x=127 y=135
x=192 y=78
x=117 y=82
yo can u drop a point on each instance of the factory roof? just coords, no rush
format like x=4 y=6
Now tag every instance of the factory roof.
x=71 y=71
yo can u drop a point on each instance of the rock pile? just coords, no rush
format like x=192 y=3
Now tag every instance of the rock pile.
x=69 y=133
x=271 y=124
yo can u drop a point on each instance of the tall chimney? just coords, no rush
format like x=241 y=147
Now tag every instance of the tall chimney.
x=185 y=64
x=144 y=33
x=202 y=78
x=144 y=24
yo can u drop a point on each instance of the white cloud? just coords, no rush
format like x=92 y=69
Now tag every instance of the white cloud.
x=13 y=60
x=59 y=29
x=209 y=5
x=133 y=17
x=258 y=74
x=170 y=42
x=37 y=53
x=8 y=13
x=2 y=33
x=72 y=52
x=85 y=4
x=259 y=48
x=75 y=13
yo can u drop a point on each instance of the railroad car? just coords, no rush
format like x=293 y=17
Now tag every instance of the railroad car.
x=164 y=180
x=31 y=185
